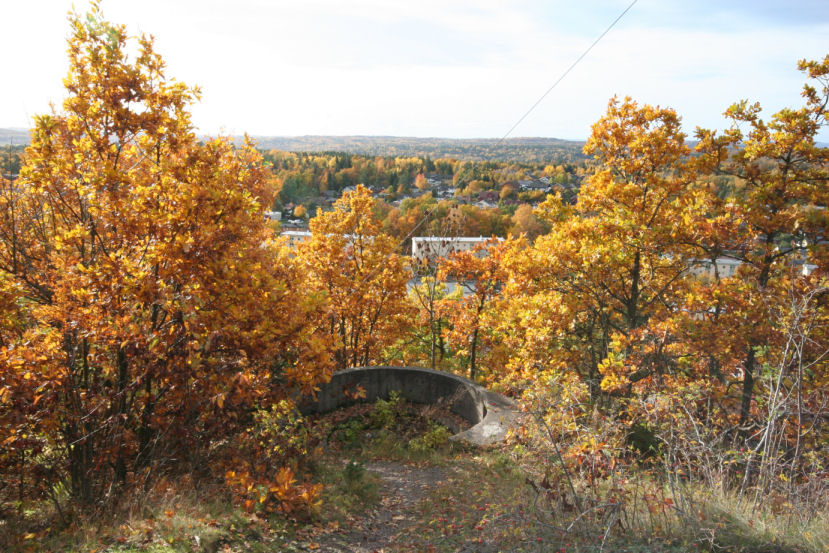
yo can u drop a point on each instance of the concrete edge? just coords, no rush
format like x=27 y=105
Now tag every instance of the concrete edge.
x=491 y=414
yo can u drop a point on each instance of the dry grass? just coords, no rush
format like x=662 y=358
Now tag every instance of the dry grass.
x=493 y=500
x=172 y=517
x=490 y=502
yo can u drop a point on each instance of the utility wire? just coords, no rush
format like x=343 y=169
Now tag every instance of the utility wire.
x=575 y=63
x=561 y=78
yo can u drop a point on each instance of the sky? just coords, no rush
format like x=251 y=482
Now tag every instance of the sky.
x=435 y=68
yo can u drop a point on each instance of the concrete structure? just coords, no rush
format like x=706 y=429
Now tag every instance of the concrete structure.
x=294 y=224
x=527 y=184
x=490 y=414
x=432 y=248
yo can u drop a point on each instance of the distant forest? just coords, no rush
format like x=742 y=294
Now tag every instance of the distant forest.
x=14 y=137
x=527 y=150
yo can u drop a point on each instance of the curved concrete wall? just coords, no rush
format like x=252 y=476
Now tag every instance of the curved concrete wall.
x=490 y=413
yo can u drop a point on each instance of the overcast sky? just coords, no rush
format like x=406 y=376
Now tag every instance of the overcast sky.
x=446 y=68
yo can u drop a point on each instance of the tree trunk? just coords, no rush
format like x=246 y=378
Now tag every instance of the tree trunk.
x=123 y=377
x=473 y=353
x=748 y=387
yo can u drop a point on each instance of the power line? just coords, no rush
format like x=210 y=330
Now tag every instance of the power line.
x=561 y=78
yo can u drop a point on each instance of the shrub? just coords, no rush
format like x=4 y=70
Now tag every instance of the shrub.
x=386 y=413
x=437 y=436
x=267 y=465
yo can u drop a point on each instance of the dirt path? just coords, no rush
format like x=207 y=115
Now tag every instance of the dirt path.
x=402 y=488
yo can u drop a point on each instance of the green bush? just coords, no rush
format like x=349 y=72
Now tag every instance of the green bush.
x=437 y=436
x=386 y=413
x=350 y=432
x=353 y=473
x=643 y=440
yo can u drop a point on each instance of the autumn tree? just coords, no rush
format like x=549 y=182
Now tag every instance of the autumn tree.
x=506 y=192
x=610 y=263
x=669 y=358
x=155 y=311
x=775 y=216
x=429 y=297
x=524 y=222
x=362 y=277
x=420 y=182
x=480 y=273
x=430 y=294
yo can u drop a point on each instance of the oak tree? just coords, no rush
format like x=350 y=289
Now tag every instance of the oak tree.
x=357 y=268
x=156 y=311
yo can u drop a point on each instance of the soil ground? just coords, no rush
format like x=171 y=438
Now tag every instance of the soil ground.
x=402 y=487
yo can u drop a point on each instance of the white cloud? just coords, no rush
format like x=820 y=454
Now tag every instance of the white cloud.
x=435 y=67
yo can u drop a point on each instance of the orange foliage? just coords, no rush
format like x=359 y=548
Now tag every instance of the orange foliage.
x=480 y=273
x=153 y=310
x=692 y=363
x=356 y=268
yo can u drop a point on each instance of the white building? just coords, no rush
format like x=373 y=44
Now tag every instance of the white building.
x=432 y=248
x=726 y=267
x=723 y=266
x=806 y=269
x=295 y=237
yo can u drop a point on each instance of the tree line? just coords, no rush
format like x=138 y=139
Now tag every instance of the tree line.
x=527 y=150
x=314 y=179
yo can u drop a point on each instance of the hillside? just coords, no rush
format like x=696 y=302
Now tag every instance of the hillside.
x=14 y=136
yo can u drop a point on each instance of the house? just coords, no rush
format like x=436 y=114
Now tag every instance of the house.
x=527 y=185
x=490 y=196
x=297 y=237
x=805 y=269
